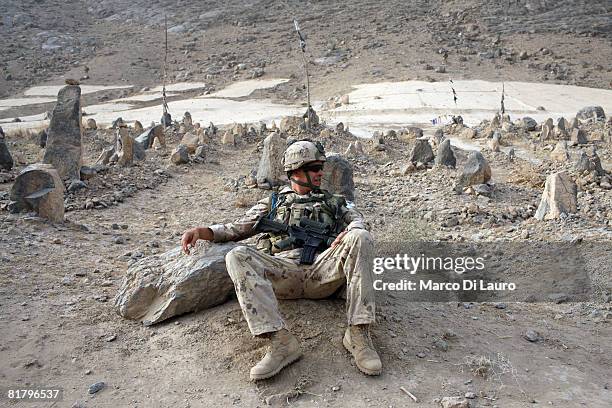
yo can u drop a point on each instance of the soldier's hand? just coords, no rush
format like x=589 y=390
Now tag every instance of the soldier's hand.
x=338 y=239
x=189 y=239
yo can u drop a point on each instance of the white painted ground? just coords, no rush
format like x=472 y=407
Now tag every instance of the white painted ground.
x=146 y=97
x=180 y=87
x=245 y=88
x=372 y=106
x=17 y=102
x=392 y=105
x=52 y=90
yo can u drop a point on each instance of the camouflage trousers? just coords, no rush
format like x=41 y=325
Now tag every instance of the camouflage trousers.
x=259 y=279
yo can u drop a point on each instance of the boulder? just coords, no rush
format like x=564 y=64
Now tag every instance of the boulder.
x=6 y=160
x=446 y=156
x=146 y=139
x=421 y=152
x=270 y=168
x=338 y=176
x=578 y=136
x=64 y=150
x=547 y=130
x=125 y=148
x=475 y=171
x=560 y=153
x=529 y=123
x=39 y=188
x=139 y=151
x=180 y=155
x=559 y=197
x=162 y=286
x=591 y=112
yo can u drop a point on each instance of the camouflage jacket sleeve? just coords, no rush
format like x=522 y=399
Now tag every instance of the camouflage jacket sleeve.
x=353 y=219
x=242 y=228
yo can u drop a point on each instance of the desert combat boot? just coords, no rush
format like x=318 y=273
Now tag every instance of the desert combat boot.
x=284 y=349
x=358 y=342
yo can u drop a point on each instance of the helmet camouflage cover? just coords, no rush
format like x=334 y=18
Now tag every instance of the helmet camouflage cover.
x=302 y=152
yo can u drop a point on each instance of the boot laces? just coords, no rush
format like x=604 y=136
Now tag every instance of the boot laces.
x=361 y=336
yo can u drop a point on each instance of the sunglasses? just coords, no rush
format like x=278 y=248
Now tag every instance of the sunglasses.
x=315 y=168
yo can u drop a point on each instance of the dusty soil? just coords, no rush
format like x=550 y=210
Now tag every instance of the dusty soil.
x=58 y=325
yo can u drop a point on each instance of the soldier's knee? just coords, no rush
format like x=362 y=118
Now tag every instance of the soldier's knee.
x=360 y=236
x=235 y=257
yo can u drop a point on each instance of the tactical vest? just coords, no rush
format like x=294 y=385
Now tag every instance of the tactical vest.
x=288 y=208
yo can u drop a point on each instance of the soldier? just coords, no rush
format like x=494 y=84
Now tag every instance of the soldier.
x=264 y=274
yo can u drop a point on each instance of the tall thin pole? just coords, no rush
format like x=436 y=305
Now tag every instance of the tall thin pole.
x=305 y=63
x=165 y=71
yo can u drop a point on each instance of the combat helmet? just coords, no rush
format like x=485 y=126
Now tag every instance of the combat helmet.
x=302 y=152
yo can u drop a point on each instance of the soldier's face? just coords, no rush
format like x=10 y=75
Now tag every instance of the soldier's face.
x=314 y=170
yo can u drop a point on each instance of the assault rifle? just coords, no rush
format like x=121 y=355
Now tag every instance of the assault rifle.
x=310 y=235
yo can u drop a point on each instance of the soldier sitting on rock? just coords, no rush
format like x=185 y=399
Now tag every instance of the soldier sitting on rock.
x=264 y=274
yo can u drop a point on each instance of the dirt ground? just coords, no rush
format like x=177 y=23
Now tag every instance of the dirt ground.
x=58 y=326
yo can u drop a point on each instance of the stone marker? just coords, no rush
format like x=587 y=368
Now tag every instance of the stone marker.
x=578 y=136
x=560 y=153
x=191 y=141
x=270 y=171
x=228 y=138
x=475 y=171
x=421 y=152
x=446 y=156
x=138 y=129
x=91 y=124
x=125 y=148
x=162 y=286
x=6 y=160
x=354 y=149
x=559 y=197
x=64 y=150
x=338 y=176
x=39 y=188
x=147 y=138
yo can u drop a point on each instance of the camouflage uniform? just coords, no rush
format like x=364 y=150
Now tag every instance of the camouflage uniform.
x=260 y=278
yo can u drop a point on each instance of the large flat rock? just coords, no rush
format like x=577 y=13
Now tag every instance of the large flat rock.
x=162 y=286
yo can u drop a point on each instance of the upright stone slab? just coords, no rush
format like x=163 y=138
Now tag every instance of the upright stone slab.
x=64 y=150
x=39 y=188
x=421 y=152
x=578 y=136
x=338 y=176
x=559 y=197
x=162 y=286
x=560 y=153
x=125 y=149
x=6 y=160
x=270 y=171
x=475 y=171
x=146 y=138
x=446 y=156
